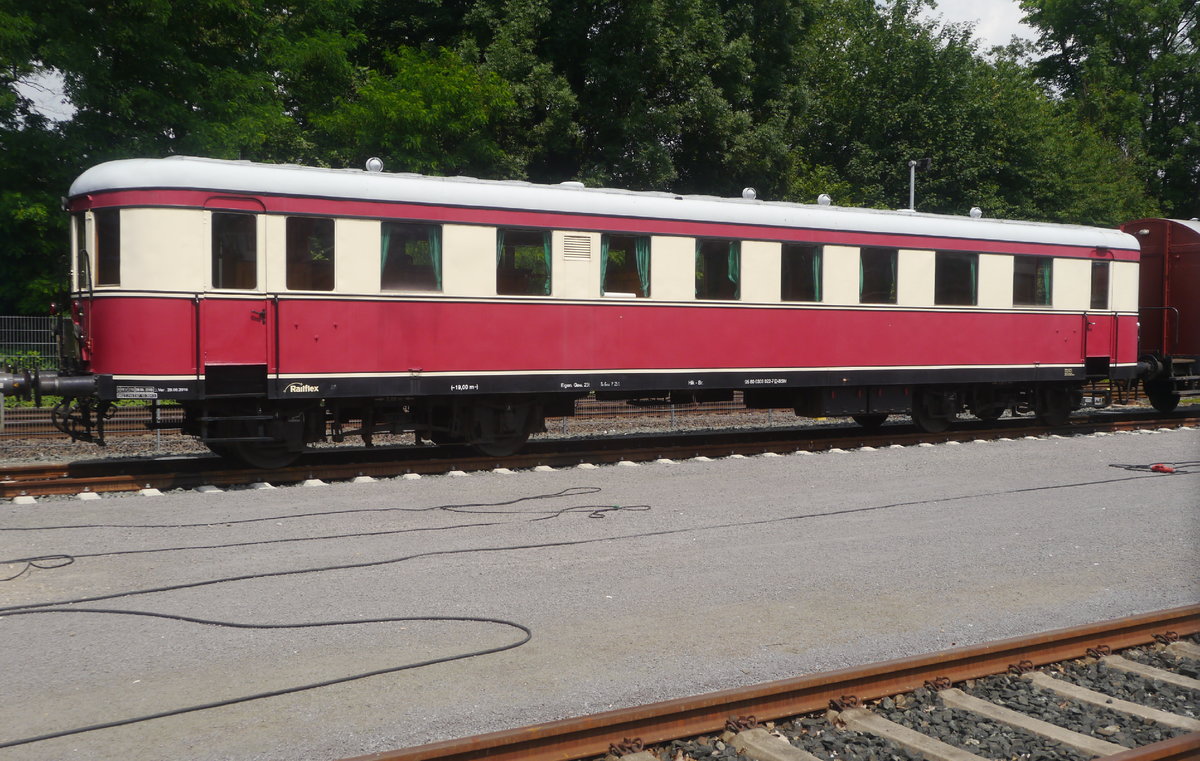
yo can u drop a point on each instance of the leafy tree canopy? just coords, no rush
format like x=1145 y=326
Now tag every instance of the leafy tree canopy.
x=1131 y=69
x=1097 y=123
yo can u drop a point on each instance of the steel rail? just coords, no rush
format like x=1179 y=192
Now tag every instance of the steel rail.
x=586 y=736
x=1182 y=748
x=132 y=475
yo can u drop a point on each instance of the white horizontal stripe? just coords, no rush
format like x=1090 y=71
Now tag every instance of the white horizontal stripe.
x=602 y=301
x=626 y=371
x=673 y=371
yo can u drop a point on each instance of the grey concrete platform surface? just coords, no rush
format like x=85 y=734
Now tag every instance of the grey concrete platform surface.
x=736 y=571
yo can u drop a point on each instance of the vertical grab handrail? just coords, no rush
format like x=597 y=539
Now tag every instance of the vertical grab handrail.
x=1171 y=309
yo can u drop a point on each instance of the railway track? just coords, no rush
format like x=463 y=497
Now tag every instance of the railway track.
x=851 y=707
x=343 y=463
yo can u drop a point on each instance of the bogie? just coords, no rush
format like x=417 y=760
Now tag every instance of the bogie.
x=933 y=410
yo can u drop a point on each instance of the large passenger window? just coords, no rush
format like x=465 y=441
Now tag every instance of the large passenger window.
x=1100 y=285
x=309 y=254
x=522 y=262
x=1032 y=281
x=801 y=273
x=410 y=257
x=108 y=247
x=625 y=265
x=234 y=250
x=955 y=279
x=718 y=269
x=877 y=275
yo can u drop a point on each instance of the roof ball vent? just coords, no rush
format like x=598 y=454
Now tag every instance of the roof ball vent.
x=749 y=194
x=976 y=212
x=374 y=164
x=824 y=199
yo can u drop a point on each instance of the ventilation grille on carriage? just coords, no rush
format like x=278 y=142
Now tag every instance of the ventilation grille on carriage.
x=577 y=247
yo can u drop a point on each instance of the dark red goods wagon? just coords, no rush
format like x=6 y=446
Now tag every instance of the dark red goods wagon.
x=1169 y=307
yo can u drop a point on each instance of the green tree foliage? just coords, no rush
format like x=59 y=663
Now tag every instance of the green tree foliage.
x=793 y=97
x=887 y=87
x=33 y=165
x=1131 y=68
x=425 y=113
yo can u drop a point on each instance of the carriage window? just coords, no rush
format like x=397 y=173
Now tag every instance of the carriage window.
x=877 y=275
x=801 y=273
x=1099 y=285
x=1032 y=280
x=955 y=279
x=234 y=250
x=410 y=257
x=625 y=265
x=108 y=247
x=309 y=254
x=718 y=269
x=522 y=262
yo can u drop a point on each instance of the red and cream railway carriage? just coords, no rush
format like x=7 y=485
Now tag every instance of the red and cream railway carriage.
x=282 y=304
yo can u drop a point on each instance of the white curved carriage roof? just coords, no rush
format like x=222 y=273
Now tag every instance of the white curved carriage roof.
x=183 y=172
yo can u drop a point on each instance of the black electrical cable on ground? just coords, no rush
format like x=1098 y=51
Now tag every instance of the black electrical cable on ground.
x=51 y=607
x=60 y=560
x=466 y=508
x=41 y=561
x=527 y=635
x=574 y=542
x=1172 y=468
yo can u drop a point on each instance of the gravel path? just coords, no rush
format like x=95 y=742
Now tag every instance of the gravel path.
x=734 y=571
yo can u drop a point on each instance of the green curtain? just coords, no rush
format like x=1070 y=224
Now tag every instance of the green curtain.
x=385 y=246
x=499 y=246
x=816 y=272
x=862 y=275
x=435 y=252
x=699 y=270
x=546 y=257
x=603 y=262
x=642 y=253
x=734 y=268
x=1045 y=270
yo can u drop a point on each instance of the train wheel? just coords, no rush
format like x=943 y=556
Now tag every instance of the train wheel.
x=264 y=454
x=501 y=430
x=1052 y=405
x=929 y=411
x=870 y=422
x=988 y=414
x=225 y=451
x=1162 y=395
x=503 y=447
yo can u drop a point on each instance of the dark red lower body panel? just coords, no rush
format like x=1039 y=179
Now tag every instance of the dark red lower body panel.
x=420 y=340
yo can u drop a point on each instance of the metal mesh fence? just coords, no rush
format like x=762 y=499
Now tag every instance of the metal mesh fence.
x=26 y=422
x=28 y=342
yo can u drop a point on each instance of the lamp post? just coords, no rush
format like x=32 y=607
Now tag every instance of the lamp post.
x=915 y=165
